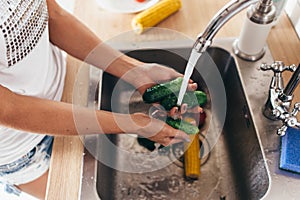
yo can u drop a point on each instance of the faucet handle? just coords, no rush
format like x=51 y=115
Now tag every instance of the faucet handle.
x=288 y=119
x=296 y=109
x=278 y=67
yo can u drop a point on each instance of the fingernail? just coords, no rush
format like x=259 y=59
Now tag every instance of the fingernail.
x=187 y=139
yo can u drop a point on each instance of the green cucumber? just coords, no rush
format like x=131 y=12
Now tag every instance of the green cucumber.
x=190 y=98
x=182 y=125
x=160 y=91
x=201 y=98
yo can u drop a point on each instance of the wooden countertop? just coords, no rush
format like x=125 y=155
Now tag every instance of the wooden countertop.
x=66 y=164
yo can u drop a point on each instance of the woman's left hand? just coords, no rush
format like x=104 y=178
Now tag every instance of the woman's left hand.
x=149 y=74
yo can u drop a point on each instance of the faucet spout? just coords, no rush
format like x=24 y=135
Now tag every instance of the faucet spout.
x=204 y=39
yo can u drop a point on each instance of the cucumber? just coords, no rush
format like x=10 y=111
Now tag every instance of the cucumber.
x=201 y=97
x=182 y=125
x=190 y=98
x=160 y=91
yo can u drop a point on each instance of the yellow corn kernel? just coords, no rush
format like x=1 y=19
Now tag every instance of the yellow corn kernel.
x=155 y=14
x=192 y=157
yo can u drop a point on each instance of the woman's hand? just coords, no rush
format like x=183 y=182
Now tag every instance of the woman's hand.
x=157 y=130
x=143 y=76
x=154 y=74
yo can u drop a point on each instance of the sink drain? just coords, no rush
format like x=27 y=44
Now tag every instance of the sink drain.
x=176 y=151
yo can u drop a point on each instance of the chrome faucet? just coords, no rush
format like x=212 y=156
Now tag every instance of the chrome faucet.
x=262 y=12
x=279 y=100
x=278 y=104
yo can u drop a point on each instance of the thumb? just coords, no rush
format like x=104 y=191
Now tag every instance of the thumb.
x=180 y=135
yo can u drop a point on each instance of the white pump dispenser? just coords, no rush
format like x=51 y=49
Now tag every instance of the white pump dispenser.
x=251 y=43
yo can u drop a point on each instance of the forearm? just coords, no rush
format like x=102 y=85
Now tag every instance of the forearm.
x=56 y=118
x=69 y=34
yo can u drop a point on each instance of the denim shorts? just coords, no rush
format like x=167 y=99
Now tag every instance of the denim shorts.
x=30 y=167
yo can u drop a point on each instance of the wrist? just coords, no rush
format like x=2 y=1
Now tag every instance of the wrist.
x=123 y=66
x=134 y=72
x=139 y=121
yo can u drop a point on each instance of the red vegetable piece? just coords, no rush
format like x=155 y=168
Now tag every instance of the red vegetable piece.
x=202 y=117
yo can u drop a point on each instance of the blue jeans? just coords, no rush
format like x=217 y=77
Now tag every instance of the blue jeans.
x=28 y=168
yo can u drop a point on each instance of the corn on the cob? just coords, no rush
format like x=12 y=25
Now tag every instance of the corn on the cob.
x=192 y=158
x=192 y=154
x=155 y=14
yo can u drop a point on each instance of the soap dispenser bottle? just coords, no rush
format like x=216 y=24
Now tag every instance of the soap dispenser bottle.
x=251 y=43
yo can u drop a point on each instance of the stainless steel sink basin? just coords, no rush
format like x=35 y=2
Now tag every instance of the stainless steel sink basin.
x=233 y=162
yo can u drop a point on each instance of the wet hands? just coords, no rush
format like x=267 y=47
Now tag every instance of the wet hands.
x=158 y=131
x=153 y=126
x=147 y=75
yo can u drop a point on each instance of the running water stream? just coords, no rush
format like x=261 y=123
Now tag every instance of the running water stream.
x=195 y=55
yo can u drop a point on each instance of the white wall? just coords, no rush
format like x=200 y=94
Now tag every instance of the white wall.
x=293 y=10
x=67 y=4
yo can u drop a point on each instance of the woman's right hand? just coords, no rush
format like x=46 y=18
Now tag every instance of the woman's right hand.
x=157 y=130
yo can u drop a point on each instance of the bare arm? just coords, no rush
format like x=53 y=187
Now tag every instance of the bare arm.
x=57 y=118
x=50 y=117
x=69 y=34
x=76 y=39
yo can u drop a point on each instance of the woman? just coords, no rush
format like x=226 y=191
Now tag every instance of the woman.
x=32 y=72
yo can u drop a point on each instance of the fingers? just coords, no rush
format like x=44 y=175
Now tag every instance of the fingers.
x=192 y=86
x=175 y=113
x=175 y=141
x=181 y=135
x=176 y=136
x=159 y=114
x=196 y=109
x=170 y=140
x=169 y=136
x=183 y=108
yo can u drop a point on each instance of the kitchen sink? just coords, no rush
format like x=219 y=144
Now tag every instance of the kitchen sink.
x=233 y=164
